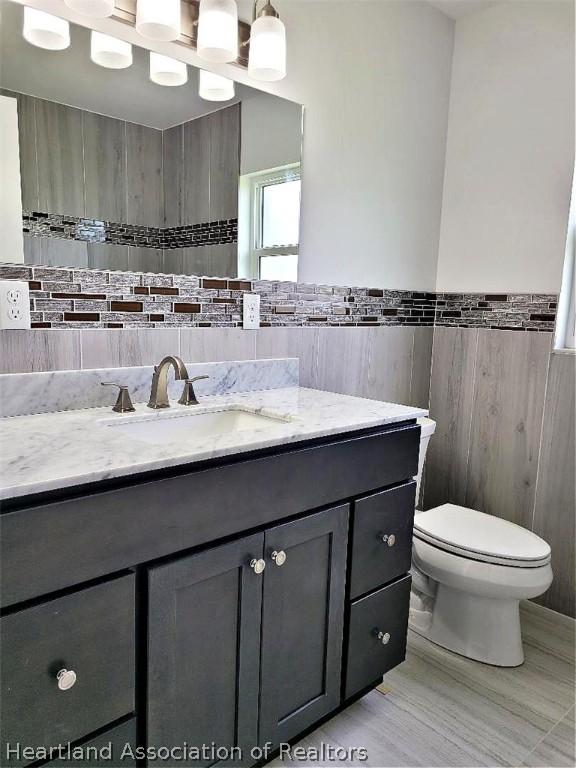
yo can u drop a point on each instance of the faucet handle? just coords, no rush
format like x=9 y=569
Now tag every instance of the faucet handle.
x=123 y=403
x=188 y=395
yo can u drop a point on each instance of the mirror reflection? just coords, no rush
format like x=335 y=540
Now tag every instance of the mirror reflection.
x=126 y=160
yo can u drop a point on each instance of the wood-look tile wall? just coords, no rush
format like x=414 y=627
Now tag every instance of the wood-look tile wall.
x=78 y=163
x=201 y=169
x=555 y=508
x=504 y=442
x=81 y=164
x=384 y=363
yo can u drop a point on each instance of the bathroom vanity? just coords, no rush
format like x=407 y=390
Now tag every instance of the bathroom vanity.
x=231 y=592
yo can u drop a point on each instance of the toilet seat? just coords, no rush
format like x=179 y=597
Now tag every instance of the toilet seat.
x=477 y=536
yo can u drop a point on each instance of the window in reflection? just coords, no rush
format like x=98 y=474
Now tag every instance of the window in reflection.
x=274 y=222
x=280 y=213
x=277 y=267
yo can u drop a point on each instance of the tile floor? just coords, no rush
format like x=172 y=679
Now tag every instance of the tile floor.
x=439 y=709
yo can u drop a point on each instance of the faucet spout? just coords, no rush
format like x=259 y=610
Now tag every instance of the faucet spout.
x=159 y=391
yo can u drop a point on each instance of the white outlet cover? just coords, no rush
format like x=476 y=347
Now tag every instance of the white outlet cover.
x=14 y=305
x=251 y=310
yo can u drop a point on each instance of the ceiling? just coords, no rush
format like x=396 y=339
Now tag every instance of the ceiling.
x=456 y=9
x=70 y=77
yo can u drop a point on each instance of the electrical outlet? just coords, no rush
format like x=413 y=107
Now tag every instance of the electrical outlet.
x=14 y=304
x=251 y=310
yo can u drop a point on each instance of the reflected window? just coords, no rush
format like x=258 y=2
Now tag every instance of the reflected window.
x=279 y=267
x=280 y=213
x=275 y=224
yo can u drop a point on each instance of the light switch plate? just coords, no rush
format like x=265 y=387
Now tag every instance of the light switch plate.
x=14 y=305
x=251 y=310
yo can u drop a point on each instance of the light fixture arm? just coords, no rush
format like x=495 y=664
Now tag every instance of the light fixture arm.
x=267 y=10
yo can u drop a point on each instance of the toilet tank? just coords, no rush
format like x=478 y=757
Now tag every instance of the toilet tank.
x=427 y=427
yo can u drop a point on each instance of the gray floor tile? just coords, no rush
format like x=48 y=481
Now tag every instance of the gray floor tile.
x=440 y=709
x=556 y=750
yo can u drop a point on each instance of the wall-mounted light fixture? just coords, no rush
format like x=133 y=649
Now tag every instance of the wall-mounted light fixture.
x=110 y=52
x=217 y=39
x=215 y=87
x=158 y=19
x=45 y=31
x=97 y=8
x=267 y=58
x=167 y=71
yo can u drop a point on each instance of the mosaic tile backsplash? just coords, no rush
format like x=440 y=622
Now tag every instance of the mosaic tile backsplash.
x=37 y=224
x=83 y=298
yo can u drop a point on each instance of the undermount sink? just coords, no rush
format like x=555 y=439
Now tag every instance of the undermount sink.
x=170 y=427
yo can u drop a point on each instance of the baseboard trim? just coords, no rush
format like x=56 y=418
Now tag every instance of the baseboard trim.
x=531 y=607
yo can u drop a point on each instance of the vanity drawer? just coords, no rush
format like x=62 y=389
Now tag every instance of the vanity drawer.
x=369 y=657
x=381 y=538
x=90 y=633
x=105 y=750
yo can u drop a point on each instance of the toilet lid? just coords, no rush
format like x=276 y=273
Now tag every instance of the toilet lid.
x=480 y=536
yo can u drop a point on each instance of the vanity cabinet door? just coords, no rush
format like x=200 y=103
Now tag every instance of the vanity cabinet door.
x=302 y=623
x=204 y=650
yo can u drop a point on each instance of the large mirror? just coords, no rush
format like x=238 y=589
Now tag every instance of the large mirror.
x=115 y=171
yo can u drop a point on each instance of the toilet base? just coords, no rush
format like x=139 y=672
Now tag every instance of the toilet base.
x=481 y=628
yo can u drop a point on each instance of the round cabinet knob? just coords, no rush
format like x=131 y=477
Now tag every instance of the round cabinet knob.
x=384 y=637
x=279 y=557
x=66 y=679
x=389 y=538
x=257 y=565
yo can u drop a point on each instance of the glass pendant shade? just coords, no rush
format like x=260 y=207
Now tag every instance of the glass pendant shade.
x=110 y=52
x=167 y=71
x=96 y=8
x=267 y=59
x=215 y=87
x=218 y=31
x=158 y=19
x=45 y=31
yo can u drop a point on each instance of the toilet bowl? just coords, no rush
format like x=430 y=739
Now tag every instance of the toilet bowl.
x=469 y=572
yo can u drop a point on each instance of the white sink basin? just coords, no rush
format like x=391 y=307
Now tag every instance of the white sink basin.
x=174 y=427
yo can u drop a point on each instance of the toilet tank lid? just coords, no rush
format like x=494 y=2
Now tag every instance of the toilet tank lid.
x=428 y=426
x=478 y=533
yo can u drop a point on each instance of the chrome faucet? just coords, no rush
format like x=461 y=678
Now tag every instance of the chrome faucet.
x=159 y=391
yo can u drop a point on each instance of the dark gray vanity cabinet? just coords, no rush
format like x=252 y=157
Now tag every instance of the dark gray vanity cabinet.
x=382 y=538
x=67 y=667
x=302 y=623
x=377 y=635
x=204 y=648
x=379 y=590
x=245 y=640
x=234 y=604
x=116 y=746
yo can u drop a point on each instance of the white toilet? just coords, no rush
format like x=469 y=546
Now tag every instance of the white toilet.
x=469 y=572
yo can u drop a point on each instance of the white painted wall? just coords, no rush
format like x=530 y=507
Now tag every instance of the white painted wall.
x=510 y=152
x=10 y=190
x=374 y=78
x=271 y=131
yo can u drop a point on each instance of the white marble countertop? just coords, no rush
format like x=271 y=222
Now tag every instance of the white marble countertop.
x=51 y=451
